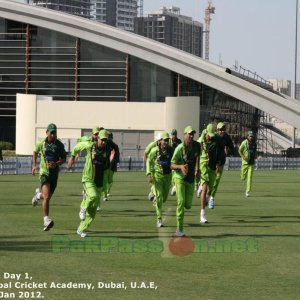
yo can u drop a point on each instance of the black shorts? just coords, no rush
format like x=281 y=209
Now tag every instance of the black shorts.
x=51 y=179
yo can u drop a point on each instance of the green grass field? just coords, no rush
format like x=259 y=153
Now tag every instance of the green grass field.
x=250 y=249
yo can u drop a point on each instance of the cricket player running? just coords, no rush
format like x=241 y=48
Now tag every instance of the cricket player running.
x=112 y=167
x=150 y=146
x=212 y=151
x=247 y=151
x=158 y=170
x=174 y=142
x=185 y=162
x=228 y=151
x=97 y=159
x=52 y=155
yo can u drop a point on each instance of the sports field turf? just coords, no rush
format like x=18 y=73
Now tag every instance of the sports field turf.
x=250 y=249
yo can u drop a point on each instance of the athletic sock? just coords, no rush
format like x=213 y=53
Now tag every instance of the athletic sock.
x=46 y=219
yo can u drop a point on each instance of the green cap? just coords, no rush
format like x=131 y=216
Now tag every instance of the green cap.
x=51 y=127
x=164 y=135
x=210 y=129
x=189 y=129
x=96 y=130
x=220 y=125
x=103 y=134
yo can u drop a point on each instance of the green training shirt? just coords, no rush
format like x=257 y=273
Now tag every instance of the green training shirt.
x=159 y=161
x=150 y=147
x=95 y=163
x=53 y=151
x=185 y=155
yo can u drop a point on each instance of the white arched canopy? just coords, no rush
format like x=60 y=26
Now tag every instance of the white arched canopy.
x=165 y=56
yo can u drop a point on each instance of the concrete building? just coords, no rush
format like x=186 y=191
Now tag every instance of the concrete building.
x=79 y=74
x=117 y=13
x=168 y=26
x=298 y=91
x=81 y=8
x=282 y=86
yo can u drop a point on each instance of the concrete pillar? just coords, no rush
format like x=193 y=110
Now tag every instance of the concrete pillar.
x=181 y=112
x=26 y=112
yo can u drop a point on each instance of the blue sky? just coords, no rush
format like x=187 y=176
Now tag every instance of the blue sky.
x=258 y=34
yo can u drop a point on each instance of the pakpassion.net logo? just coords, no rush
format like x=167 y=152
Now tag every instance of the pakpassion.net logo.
x=178 y=246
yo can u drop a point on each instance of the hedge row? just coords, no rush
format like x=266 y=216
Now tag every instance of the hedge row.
x=6 y=145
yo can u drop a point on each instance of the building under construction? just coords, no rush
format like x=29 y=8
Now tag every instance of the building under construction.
x=81 y=8
x=168 y=26
x=35 y=60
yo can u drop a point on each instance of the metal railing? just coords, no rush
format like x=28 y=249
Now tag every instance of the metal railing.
x=22 y=165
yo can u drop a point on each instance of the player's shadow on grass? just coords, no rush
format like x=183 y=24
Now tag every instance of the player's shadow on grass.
x=128 y=213
x=275 y=196
x=224 y=225
x=262 y=219
x=128 y=235
x=225 y=205
x=136 y=198
x=15 y=204
x=234 y=235
x=25 y=246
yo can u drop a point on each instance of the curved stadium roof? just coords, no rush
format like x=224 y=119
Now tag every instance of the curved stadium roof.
x=165 y=56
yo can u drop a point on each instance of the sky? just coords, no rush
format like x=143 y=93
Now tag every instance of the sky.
x=259 y=35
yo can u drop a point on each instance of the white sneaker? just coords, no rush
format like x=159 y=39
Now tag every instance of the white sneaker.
x=179 y=233
x=82 y=214
x=247 y=194
x=203 y=219
x=211 y=203
x=159 y=223
x=105 y=199
x=81 y=233
x=173 y=190
x=199 y=190
x=48 y=224
x=151 y=196
x=35 y=199
x=98 y=208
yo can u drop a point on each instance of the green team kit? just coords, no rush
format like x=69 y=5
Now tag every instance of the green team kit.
x=185 y=155
x=96 y=162
x=49 y=152
x=247 y=151
x=158 y=166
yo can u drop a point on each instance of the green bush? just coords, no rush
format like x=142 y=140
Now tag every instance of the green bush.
x=6 y=145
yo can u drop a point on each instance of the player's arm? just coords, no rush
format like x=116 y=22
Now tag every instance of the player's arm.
x=183 y=168
x=62 y=156
x=149 y=166
x=34 y=161
x=76 y=150
x=36 y=152
x=197 y=162
x=175 y=162
x=230 y=145
x=197 y=167
x=242 y=149
x=116 y=151
x=71 y=162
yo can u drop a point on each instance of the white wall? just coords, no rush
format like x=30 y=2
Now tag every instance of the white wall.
x=180 y=112
x=33 y=116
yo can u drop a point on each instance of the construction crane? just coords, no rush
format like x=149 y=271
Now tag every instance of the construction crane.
x=208 y=11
